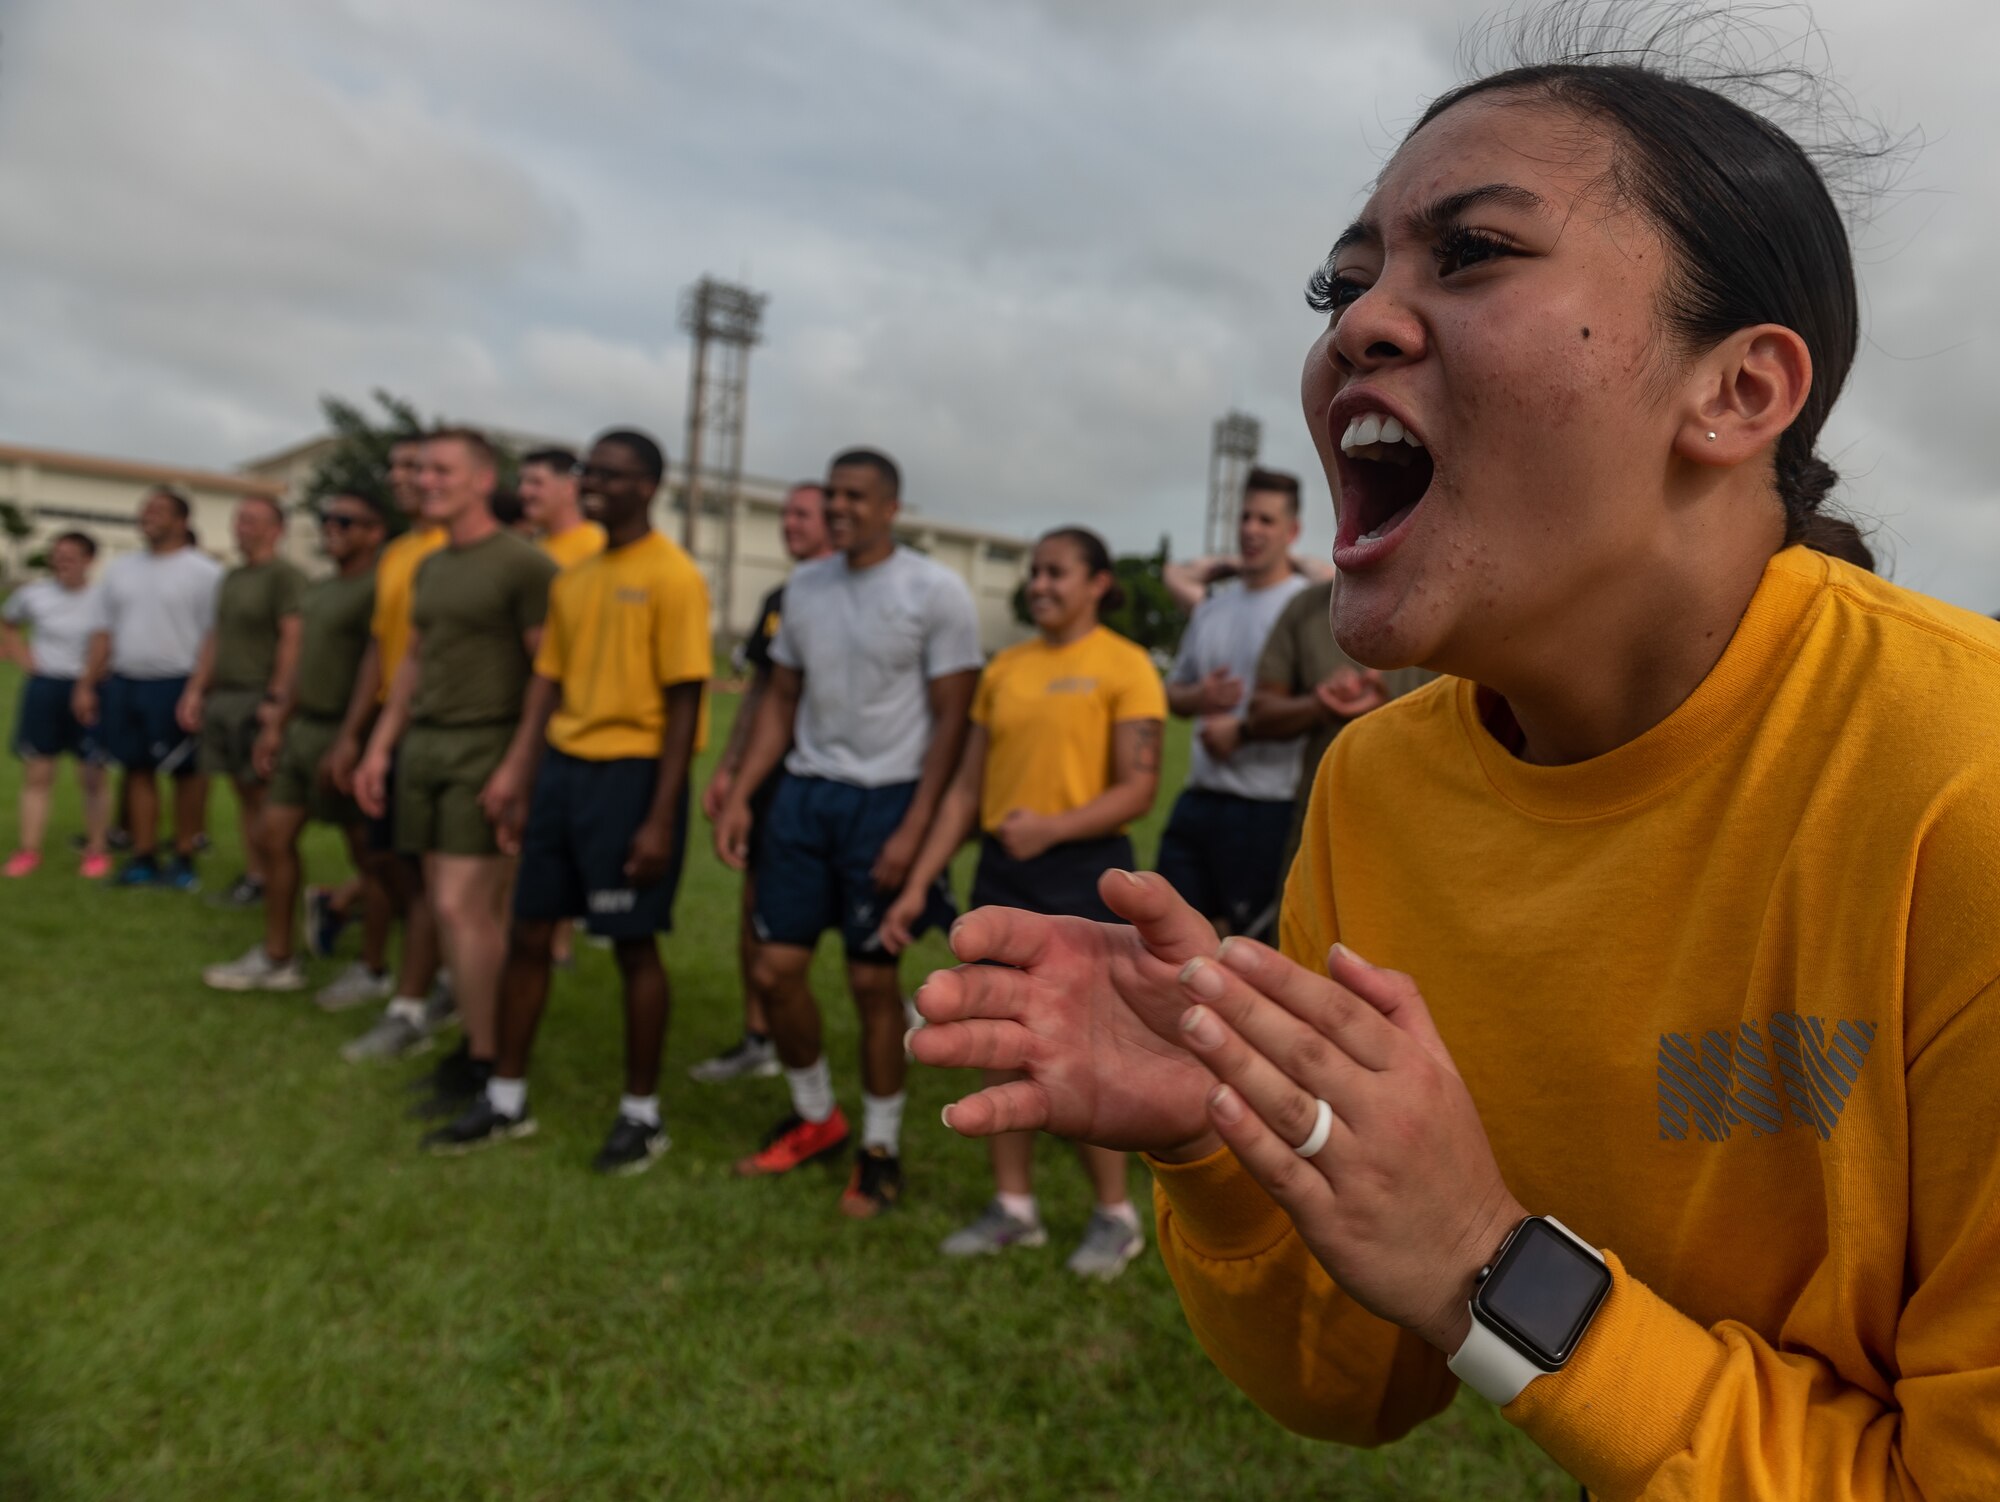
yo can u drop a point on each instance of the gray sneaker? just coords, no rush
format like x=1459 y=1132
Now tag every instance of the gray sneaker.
x=395 y=1035
x=1107 y=1245
x=750 y=1059
x=355 y=986
x=256 y=971
x=440 y=1007
x=994 y=1231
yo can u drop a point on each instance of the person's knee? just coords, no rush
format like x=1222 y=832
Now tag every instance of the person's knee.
x=531 y=941
x=777 y=975
x=636 y=956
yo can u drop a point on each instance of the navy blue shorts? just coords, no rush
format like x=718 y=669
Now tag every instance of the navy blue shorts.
x=136 y=724
x=1224 y=855
x=1061 y=881
x=815 y=857
x=578 y=838
x=47 y=726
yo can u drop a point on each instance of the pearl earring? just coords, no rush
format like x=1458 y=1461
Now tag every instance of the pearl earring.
x=1711 y=438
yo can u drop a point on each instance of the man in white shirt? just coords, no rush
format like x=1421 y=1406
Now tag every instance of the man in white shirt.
x=873 y=670
x=1223 y=844
x=158 y=606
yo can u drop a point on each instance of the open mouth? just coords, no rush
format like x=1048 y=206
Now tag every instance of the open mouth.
x=1385 y=472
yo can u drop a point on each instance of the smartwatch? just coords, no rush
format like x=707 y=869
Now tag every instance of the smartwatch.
x=1530 y=1308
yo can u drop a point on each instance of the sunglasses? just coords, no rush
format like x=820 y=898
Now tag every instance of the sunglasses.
x=603 y=476
x=342 y=521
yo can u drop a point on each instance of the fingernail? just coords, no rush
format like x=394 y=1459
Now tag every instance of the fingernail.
x=945 y=1116
x=1342 y=952
x=951 y=938
x=1226 y=1104
x=1199 y=1024
x=1133 y=877
x=1244 y=954
x=907 y=1036
x=1199 y=977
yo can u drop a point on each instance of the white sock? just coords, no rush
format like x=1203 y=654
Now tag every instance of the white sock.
x=409 y=1008
x=1124 y=1211
x=812 y=1090
x=1021 y=1206
x=882 y=1121
x=644 y=1108
x=508 y=1097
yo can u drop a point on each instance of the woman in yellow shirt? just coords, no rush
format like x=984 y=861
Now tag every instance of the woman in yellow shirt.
x=1064 y=753
x=1679 y=899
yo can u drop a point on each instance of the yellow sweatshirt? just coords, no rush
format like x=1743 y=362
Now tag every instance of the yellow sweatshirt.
x=1728 y=999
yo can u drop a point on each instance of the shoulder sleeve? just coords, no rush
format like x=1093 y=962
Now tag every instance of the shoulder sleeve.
x=19 y=606
x=291 y=589
x=682 y=651
x=531 y=598
x=951 y=642
x=1278 y=664
x=1138 y=693
x=784 y=646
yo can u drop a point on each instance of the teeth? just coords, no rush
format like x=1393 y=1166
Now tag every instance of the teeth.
x=1372 y=429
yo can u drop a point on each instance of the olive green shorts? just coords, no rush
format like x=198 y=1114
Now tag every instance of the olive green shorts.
x=228 y=732
x=295 y=781
x=440 y=770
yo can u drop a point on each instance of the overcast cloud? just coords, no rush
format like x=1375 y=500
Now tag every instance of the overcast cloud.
x=1033 y=249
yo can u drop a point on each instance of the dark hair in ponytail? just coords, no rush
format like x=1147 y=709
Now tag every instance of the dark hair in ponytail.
x=1754 y=230
x=1096 y=560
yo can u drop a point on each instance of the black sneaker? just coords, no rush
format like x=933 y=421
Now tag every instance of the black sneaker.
x=179 y=873
x=631 y=1147
x=139 y=871
x=324 y=921
x=119 y=839
x=454 y=1074
x=452 y=1094
x=477 y=1126
x=877 y=1185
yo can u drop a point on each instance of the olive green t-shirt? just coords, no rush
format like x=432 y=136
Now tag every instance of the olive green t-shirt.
x=1300 y=653
x=472 y=608
x=333 y=635
x=253 y=599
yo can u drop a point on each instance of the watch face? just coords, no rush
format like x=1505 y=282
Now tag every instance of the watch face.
x=1542 y=1292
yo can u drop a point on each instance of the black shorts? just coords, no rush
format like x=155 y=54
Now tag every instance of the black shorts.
x=578 y=838
x=1224 y=854
x=815 y=862
x=1061 y=881
x=137 y=724
x=47 y=726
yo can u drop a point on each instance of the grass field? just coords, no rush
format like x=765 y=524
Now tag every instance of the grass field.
x=225 y=1271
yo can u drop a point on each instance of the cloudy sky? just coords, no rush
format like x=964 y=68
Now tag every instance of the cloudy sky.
x=1032 y=247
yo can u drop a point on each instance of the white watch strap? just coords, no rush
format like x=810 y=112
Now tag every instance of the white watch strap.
x=1489 y=1366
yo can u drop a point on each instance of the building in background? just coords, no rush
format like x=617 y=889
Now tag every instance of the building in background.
x=56 y=492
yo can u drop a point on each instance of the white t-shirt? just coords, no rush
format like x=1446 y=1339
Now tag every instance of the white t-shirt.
x=158 y=607
x=1229 y=630
x=60 y=622
x=869 y=642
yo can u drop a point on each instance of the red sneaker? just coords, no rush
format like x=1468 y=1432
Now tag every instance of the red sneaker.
x=876 y=1186
x=22 y=863
x=95 y=867
x=794 y=1141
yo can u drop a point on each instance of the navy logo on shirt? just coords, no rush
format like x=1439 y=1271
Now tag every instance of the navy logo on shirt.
x=1719 y=1083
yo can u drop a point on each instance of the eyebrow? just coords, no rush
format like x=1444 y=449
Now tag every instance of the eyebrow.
x=1428 y=220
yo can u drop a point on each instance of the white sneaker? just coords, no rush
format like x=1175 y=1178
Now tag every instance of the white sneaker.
x=355 y=986
x=1108 y=1244
x=395 y=1035
x=256 y=971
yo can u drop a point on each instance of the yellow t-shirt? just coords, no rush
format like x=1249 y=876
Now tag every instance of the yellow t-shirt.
x=584 y=540
x=623 y=626
x=1728 y=1000
x=395 y=577
x=1048 y=713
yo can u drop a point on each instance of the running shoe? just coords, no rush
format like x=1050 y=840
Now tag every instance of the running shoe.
x=396 y=1035
x=1108 y=1244
x=440 y=1007
x=631 y=1147
x=795 y=1141
x=324 y=921
x=994 y=1232
x=22 y=863
x=243 y=893
x=96 y=866
x=477 y=1126
x=355 y=986
x=256 y=971
x=139 y=871
x=751 y=1059
x=179 y=874
x=876 y=1187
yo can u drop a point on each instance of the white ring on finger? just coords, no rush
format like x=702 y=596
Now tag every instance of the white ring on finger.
x=1322 y=1129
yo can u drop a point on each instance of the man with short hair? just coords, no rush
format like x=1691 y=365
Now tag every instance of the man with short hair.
x=303 y=723
x=612 y=721
x=803 y=526
x=247 y=654
x=420 y=1006
x=551 y=503
x=873 y=671
x=157 y=607
x=1227 y=832
x=453 y=708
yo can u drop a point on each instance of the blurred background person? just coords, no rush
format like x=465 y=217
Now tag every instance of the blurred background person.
x=45 y=630
x=550 y=498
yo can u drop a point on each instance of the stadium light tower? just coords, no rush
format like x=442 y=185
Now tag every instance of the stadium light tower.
x=1230 y=454
x=724 y=320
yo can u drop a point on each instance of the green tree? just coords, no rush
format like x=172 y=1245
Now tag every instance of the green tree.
x=16 y=528
x=358 y=462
